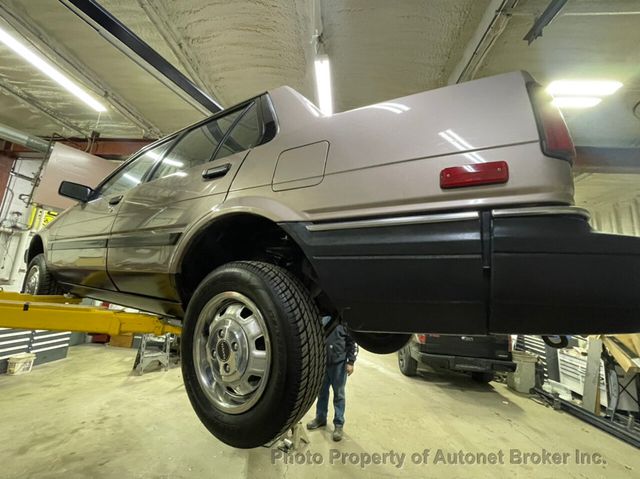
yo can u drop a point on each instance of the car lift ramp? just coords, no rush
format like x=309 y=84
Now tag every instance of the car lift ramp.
x=62 y=313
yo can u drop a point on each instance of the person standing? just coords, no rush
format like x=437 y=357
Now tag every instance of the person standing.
x=341 y=357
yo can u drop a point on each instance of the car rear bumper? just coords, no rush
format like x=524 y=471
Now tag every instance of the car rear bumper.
x=462 y=363
x=539 y=270
x=556 y=275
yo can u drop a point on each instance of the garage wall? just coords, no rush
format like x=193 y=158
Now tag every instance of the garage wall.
x=17 y=186
x=621 y=217
x=10 y=243
x=5 y=167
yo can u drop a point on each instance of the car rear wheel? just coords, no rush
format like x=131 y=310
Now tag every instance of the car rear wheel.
x=38 y=280
x=253 y=353
x=380 y=343
x=408 y=366
x=483 y=378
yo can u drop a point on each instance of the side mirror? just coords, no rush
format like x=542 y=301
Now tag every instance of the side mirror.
x=75 y=191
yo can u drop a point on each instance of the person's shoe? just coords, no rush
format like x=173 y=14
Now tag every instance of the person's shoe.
x=337 y=434
x=316 y=423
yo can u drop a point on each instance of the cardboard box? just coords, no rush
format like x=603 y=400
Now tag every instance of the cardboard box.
x=121 y=341
x=624 y=348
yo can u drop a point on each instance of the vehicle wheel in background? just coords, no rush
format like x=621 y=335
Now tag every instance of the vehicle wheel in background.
x=482 y=377
x=253 y=352
x=408 y=366
x=380 y=343
x=38 y=280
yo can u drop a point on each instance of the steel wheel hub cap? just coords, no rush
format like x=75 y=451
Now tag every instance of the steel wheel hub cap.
x=232 y=352
x=33 y=280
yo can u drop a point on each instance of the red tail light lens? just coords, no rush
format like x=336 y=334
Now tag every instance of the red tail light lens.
x=554 y=135
x=474 y=175
x=422 y=338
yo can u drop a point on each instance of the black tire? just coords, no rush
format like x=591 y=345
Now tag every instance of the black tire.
x=407 y=364
x=560 y=342
x=483 y=378
x=380 y=343
x=44 y=282
x=296 y=351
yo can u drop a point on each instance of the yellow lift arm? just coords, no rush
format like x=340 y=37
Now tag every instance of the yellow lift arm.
x=61 y=313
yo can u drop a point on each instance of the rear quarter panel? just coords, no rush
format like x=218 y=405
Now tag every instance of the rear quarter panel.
x=386 y=158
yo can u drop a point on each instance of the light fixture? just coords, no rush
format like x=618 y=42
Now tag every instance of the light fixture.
x=49 y=70
x=576 y=101
x=584 y=88
x=323 y=85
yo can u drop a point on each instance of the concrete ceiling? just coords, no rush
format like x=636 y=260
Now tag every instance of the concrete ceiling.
x=379 y=49
x=138 y=103
x=590 y=39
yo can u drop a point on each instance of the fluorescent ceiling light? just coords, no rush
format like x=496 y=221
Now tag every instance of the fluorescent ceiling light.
x=49 y=70
x=323 y=85
x=583 y=87
x=576 y=101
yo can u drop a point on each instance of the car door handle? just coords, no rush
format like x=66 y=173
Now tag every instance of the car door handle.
x=216 y=171
x=115 y=200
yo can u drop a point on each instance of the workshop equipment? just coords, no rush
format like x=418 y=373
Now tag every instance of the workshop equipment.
x=148 y=355
x=63 y=313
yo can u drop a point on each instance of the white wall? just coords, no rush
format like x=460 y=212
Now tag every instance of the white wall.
x=9 y=243
x=622 y=217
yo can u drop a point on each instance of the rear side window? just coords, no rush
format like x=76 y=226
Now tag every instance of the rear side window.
x=197 y=146
x=246 y=134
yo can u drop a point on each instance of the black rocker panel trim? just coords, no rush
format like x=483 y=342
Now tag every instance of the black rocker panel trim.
x=160 y=306
x=408 y=278
x=555 y=275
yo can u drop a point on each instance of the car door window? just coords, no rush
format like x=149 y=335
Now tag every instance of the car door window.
x=246 y=134
x=197 y=146
x=132 y=174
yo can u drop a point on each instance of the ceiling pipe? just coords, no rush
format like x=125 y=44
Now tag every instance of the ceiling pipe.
x=549 y=14
x=491 y=25
x=20 y=138
x=120 y=36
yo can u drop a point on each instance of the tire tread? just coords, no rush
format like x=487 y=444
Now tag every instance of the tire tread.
x=306 y=319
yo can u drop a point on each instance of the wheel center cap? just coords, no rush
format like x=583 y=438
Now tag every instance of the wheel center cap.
x=223 y=350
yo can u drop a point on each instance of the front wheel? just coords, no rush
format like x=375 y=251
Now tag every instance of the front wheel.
x=38 y=280
x=253 y=353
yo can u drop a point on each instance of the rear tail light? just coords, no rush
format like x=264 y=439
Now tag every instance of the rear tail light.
x=554 y=135
x=422 y=338
x=475 y=174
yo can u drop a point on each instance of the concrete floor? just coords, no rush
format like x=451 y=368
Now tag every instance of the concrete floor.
x=86 y=416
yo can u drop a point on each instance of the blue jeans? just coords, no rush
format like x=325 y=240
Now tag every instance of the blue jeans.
x=336 y=377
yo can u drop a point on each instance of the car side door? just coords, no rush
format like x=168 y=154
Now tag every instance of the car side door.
x=78 y=253
x=193 y=177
